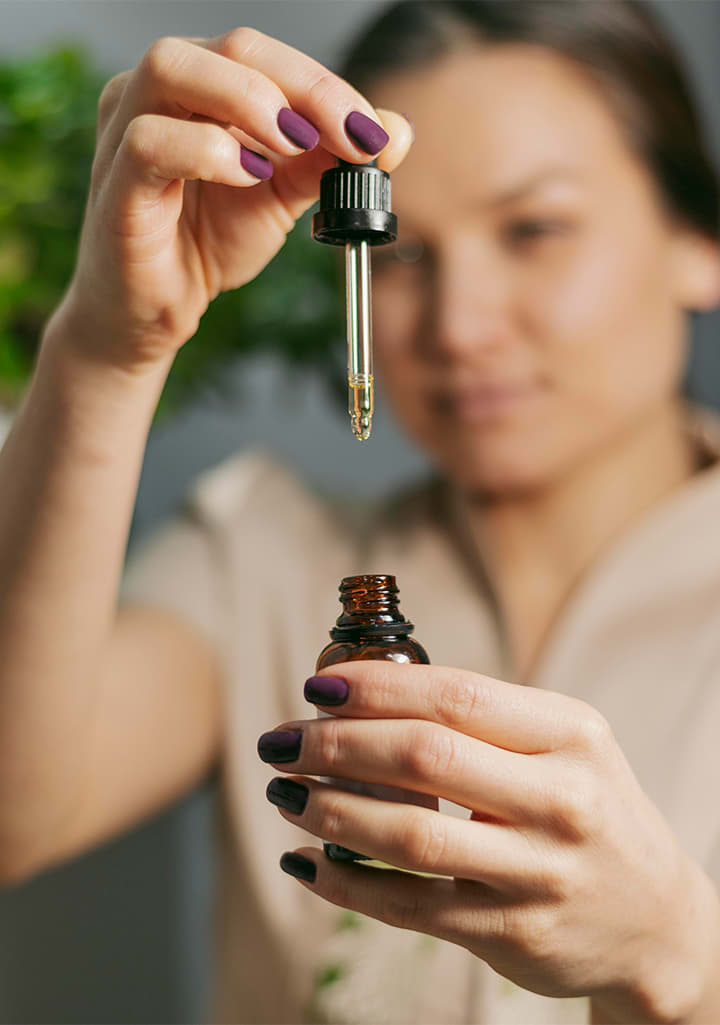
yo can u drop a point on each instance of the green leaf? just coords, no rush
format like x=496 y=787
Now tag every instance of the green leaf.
x=330 y=973
x=350 y=920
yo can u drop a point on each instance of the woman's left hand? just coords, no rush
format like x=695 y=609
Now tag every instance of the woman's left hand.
x=566 y=879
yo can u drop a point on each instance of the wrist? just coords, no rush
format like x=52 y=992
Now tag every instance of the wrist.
x=94 y=342
x=77 y=343
x=96 y=406
x=682 y=985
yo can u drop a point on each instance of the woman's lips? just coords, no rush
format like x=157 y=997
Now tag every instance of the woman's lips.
x=480 y=405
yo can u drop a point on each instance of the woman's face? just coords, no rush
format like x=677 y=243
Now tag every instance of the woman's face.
x=543 y=315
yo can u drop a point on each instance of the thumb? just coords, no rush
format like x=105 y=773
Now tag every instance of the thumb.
x=401 y=135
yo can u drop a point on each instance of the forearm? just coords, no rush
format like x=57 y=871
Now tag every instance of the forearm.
x=68 y=477
x=688 y=993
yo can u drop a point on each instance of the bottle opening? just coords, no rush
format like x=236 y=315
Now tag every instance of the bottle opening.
x=370 y=605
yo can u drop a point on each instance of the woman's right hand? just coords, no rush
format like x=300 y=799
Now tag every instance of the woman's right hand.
x=174 y=216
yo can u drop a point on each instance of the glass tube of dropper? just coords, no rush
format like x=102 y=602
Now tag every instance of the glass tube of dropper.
x=359 y=338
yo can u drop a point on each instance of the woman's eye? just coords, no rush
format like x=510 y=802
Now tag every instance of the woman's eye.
x=519 y=232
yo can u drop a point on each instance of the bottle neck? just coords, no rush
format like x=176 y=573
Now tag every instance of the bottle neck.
x=370 y=607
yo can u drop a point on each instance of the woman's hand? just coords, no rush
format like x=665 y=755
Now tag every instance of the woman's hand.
x=567 y=880
x=195 y=183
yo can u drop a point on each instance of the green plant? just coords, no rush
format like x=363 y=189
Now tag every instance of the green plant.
x=47 y=132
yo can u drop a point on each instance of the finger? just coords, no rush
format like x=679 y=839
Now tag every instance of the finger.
x=296 y=181
x=451 y=909
x=401 y=135
x=522 y=719
x=318 y=94
x=419 y=756
x=411 y=837
x=157 y=149
x=179 y=78
x=109 y=99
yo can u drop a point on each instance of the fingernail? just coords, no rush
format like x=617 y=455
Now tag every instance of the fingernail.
x=299 y=866
x=365 y=133
x=280 y=745
x=410 y=122
x=298 y=129
x=326 y=690
x=287 y=794
x=255 y=164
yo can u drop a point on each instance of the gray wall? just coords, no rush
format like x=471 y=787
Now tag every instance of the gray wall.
x=122 y=934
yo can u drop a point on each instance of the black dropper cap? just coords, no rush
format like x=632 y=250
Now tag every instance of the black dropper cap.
x=355 y=206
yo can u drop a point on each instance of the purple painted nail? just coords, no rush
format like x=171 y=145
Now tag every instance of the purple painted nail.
x=365 y=133
x=280 y=745
x=287 y=794
x=298 y=129
x=255 y=164
x=299 y=866
x=326 y=690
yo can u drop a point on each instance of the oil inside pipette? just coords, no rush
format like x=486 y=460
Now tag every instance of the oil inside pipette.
x=360 y=404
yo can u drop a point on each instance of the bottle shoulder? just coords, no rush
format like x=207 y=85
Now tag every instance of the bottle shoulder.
x=393 y=649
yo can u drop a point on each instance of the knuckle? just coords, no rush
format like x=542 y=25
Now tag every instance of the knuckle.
x=524 y=930
x=326 y=89
x=257 y=90
x=240 y=42
x=497 y=926
x=331 y=818
x=458 y=701
x=111 y=93
x=161 y=57
x=593 y=732
x=553 y=872
x=140 y=137
x=218 y=146
x=430 y=753
x=377 y=690
x=533 y=933
x=404 y=912
x=568 y=882
x=98 y=169
x=555 y=886
x=421 y=840
x=327 y=745
x=579 y=808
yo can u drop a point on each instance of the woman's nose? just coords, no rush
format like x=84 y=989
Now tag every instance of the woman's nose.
x=469 y=301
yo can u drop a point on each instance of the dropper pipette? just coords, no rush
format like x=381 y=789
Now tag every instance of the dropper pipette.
x=355 y=212
x=359 y=338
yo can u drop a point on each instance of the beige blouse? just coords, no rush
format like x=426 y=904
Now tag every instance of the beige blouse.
x=254 y=562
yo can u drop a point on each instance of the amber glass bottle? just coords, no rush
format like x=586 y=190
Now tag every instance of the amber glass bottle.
x=371 y=626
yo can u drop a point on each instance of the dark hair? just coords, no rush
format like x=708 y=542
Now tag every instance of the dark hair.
x=617 y=41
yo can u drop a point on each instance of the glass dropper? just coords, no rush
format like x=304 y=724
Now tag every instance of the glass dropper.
x=355 y=212
x=359 y=338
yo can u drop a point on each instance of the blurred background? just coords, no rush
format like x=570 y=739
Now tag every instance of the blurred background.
x=124 y=934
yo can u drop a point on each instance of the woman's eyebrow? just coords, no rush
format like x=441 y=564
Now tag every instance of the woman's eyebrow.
x=519 y=189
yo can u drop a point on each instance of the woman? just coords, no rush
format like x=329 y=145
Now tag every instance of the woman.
x=562 y=218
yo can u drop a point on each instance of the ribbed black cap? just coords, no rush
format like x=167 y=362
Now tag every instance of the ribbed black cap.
x=355 y=206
